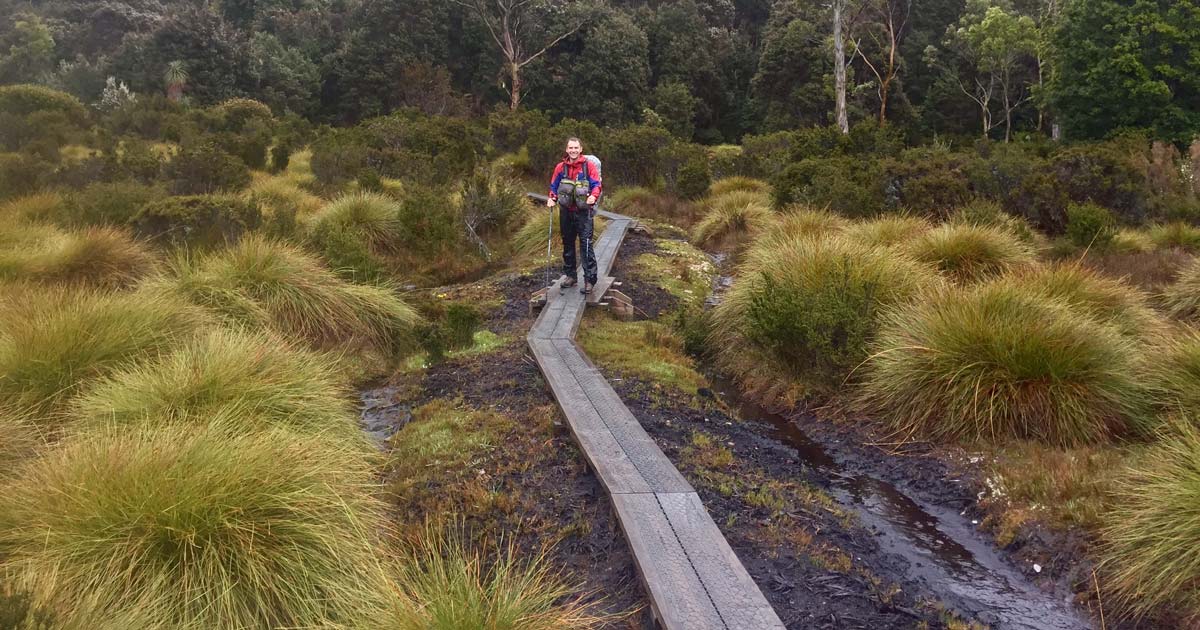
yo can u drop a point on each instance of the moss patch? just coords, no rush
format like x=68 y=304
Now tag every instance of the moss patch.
x=681 y=269
x=646 y=349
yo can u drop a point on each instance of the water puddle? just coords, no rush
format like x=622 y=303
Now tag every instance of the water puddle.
x=380 y=415
x=944 y=553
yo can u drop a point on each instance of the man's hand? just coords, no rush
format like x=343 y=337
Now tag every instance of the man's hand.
x=591 y=200
x=550 y=202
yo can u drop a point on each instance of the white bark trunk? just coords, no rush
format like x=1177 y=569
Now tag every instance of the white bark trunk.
x=839 y=66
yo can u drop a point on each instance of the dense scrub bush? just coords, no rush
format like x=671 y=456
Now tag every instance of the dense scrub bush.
x=196 y=528
x=511 y=131
x=849 y=186
x=429 y=224
x=237 y=113
x=637 y=155
x=1106 y=174
x=1090 y=225
x=280 y=287
x=986 y=213
x=197 y=220
x=888 y=230
x=114 y=203
x=1146 y=552
x=731 y=218
x=927 y=181
x=694 y=178
x=1000 y=361
x=491 y=203
x=1174 y=373
x=54 y=341
x=1182 y=297
x=223 y=372
x=1092 y=295
x=969 y=253
x=1017 y=177
x=151 y=116
x=283 y=204
x=412 y=146
x=102 y=257
x=21 y=174
x=205 y=169
x=764 y=156
x=547 y=149
x=339 y=155
x=802 y=312
x=22 y=100
x=724 y=161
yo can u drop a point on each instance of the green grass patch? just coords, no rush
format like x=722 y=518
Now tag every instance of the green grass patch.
x=1182 y=298
x=888 y=231
x=1177 y=235
x=644 y=349
x=730 y=219
x=102 y=257
x=1173 y=369
x=684 y=271
x=968 y=253
x=1093 y=295
x=196 y=528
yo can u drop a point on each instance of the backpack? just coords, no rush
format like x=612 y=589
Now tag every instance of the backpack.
x=595 y=161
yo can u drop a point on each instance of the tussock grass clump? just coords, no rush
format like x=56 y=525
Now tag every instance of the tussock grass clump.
x=19 y=438
x=1174 y=373
x=1182 y=298
x=969 y=253
x=799 y=318
x=373 y=217
x=1093 y=295
x=798 y=220
x=443 y=585
x=277 y=285
x=1127 y=241
x=1001 y=361
x=37 y=207
x=1148 y=552
x=283 y=202
x=730 y=218
x=103 y=257
x=645 y=203
x=184 y=527
x=888 y=230
x=53 y=341
x=987 y=213
x=222 y=371
x=1177 y=234
x=738 y=183
x=530 y=240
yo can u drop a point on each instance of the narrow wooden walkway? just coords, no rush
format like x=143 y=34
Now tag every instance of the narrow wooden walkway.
x=694 y=579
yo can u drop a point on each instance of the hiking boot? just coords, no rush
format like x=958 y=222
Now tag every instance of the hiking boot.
x=568 y=283
x=587 y=287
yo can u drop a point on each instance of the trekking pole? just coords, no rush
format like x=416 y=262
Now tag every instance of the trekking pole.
x=549 y=242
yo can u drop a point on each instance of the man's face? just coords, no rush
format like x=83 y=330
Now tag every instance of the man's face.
x=573 y=150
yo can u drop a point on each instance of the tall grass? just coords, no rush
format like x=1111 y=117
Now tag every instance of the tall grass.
x=284 y=203
x=19 y=438
x=738 y=183
x=970 y=253
x=187 y=527
x=644 y=203
x=986 y=213
x=1177 y=234
x=37 y=207
x=443 y=585
x=53 y=341
x=372 y=217
x=888 y=230
x=225 y=370
x=1182 y=298
x=540 y=225
x=801 y=312
x=1173 y=368
x=94 y=257
x=731 y=218
x=1002 y=361
x=1148 y=551
x=279 y=286
x=802 y=221
x=1093 y=295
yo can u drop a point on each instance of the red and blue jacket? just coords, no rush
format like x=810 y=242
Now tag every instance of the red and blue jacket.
x=574 y=170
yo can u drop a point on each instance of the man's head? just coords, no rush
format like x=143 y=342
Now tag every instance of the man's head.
x=574 y=148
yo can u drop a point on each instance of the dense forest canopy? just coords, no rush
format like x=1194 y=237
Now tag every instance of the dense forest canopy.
x=709 y=71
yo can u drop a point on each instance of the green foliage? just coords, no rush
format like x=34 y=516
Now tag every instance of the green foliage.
x=23 y=100
x=198 y=220
x=20 y=174
x=355 y=231
x=637 y=155
x=1001 y=361
x=1090 y=225
x=735 y=183
x=1145 y=554
x=415 y=147
x=223 y=373
x=205 y=169
x=106 y=529
x=339 y=155
x=102 y=203
x=462 y=320
x=970 y=253
x=676 y=107
x=53 y=341
x=1108 y=174
x=927 y=181
x=694 y=177
x=1176 y=234
x=731 y=218
x=239 y=112
x=845 y=185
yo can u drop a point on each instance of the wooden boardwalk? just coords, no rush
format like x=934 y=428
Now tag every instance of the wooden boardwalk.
x=694 y=579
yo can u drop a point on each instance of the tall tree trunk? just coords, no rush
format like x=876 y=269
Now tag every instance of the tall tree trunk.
x=515 y=97
x=839 y=66
x=175 y=92
x=883 y=101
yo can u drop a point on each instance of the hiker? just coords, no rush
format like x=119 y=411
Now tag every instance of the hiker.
x=575 y=187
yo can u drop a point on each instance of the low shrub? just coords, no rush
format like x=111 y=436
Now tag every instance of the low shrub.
x=490 y=204
x=1093 y=295
x=1178 y=235
x=849 y=186
x=22 y=100
x=647 y=204
x=1000 y=361
x=54 y=341
x=738 y=183
x=801 y=313
x=102 y=257
x=188 y=527
x=1090 y=225
x=985 y=213
x=969 y=253
x=203 y=221
x=443 y=585
x=731 y=218
x=1147 y=551
x=279 y=286
x=204 y=169
x=284 y=204
x=21 y=174
x=1127 y=241
x=1182 y=298
x=102 y=203
x=238 y=112
x=1107 y=174
x=888 y=230
x=221 y=372
x=1173 y=368
x=694 y=178
x=930 y=181
x=339 y=156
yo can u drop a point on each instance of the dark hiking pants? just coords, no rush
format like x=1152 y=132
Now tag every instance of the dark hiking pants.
x=576 y=223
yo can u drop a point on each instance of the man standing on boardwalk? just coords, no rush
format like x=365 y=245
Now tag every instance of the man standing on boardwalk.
x=575 y=188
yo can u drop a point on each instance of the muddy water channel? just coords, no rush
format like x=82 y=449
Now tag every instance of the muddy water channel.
x=944 y=554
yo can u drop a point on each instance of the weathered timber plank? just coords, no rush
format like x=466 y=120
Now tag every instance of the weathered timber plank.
x=598 y=291
x=733 y=591
x=572 y=313
x=676 y=593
